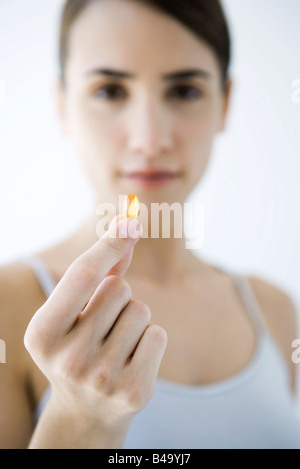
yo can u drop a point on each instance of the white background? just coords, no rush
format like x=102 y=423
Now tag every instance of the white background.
x=251 y=191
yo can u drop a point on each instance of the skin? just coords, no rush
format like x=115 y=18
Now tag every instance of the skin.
x=178 y=301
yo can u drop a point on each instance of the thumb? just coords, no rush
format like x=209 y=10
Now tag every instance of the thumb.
x=122 y=266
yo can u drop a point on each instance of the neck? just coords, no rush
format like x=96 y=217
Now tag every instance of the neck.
x=161 y=259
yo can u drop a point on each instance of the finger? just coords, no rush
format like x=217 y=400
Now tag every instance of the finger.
x=118 y=270
x=84 y=275
x=146 y=360
x=109 y=300
x=121 y=267
x=126 y=333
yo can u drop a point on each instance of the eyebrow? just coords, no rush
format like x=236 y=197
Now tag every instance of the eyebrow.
x=189 y=73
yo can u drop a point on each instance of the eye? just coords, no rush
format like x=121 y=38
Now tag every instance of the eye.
x=114 y=92
x=110 y=92
x=186 y=93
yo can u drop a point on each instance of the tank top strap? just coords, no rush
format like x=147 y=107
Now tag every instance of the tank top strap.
x=43 y=275
x=249 y=299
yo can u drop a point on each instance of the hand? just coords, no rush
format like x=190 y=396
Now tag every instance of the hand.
x=96 y=346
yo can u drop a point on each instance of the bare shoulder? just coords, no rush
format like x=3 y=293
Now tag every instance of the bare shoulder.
x=281 y=317
x=20 y=297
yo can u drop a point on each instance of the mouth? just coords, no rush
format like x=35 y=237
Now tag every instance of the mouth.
x=152 y=178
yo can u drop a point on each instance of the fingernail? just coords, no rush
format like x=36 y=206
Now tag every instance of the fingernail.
x=130 y=228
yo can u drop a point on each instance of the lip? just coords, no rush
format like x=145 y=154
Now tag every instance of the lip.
x=152 y=178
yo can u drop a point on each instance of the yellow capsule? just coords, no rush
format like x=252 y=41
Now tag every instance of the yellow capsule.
x=131 y=206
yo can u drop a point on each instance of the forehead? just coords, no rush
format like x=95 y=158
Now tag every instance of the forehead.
x=133 y=35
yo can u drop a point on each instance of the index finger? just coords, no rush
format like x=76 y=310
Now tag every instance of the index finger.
x=84 y=275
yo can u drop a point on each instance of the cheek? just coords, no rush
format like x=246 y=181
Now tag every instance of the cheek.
x=91 y=126
x=197 y=138
x=199 y=126
x=94 y=139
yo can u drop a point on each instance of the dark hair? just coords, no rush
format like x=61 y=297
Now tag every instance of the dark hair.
x=204 y=17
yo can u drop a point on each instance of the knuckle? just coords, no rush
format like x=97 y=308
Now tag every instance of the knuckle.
x=29 y=339
x=104 y=377
x=66 y=370
x=137 y=399
x=68 y=366
x=114 y=246
x=143 y=311
x=69 y=370
x=35 y=338
x=119 y=286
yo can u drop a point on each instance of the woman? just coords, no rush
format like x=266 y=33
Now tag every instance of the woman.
x=154 y=348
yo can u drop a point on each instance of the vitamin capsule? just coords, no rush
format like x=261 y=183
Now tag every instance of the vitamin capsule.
x=131 y=206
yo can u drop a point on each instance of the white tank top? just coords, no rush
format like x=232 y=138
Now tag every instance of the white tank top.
x=254 y=409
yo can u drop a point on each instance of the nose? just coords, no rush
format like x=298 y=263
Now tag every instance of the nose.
x=150 y=131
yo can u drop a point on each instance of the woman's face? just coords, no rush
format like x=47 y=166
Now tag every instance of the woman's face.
x=144 y=131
